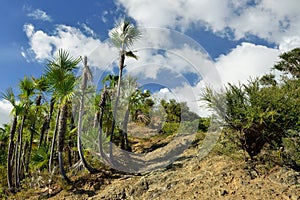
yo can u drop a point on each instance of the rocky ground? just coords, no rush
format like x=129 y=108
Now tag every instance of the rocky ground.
x=215 y=176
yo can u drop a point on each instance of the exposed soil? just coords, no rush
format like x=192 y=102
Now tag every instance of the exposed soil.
x=213 y=177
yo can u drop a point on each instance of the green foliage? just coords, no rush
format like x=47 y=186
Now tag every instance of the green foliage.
x=2 y=194
x=60 y=76
x=170 y=128
x=289 y=63
x=204 y=124
x=291 y=148
x=4 y=137
x=261 y=111
x=40 y=158
x=124 y=34
x=228 y=145
x=177 y=112
x=3 y=179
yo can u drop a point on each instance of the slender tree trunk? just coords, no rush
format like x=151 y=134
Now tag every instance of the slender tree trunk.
x=121 y=66
x=100 y=136
x=15 y=165
x=10 y=154
x=62 y=169
x=53 y=141
x=124 y=141
x=52 y=102
x=62 y=128
x=23 y=161
x=79 y=128
x=96 y=119
x=19 y=152
x=79 y=144
x=37 y=103
x=70 y=144
x=102 y=104
x=29 y=149
x=43 y=130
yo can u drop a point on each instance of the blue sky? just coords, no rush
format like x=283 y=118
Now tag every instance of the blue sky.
x=243 y=39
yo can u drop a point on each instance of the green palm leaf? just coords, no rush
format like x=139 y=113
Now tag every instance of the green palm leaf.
x=124 y=34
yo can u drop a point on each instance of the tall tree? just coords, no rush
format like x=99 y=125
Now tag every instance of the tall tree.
x=26 y=87
x=39 y=85
x=123 y=37
x=10 y=96
x=62 y=82
x=86 y=75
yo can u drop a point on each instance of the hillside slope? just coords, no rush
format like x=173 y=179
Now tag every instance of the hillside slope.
x=216 y=176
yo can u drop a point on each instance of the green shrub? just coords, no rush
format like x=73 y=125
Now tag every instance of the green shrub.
x=291 y=149
x=204 y=124
x=261 y=111
x=170 y=128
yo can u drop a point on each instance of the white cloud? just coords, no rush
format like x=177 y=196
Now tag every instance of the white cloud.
x=163 y=50
x=165 y=57
x=44 y=45
x=271 y=20
x=5 y=109
x=103 y=17
x=245 y=61
x=39 y=15
x=88 y=30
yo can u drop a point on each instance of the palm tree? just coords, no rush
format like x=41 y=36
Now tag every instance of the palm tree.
x=130 y=99
x=27 y=90
x=53 y=141
x=86 y=75
x=101 y=103
x=10 y=96
x=62 y=82
x=123 y=37
x=40 y=86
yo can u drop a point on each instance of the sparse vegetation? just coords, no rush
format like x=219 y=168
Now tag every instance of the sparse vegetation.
x=264 y=113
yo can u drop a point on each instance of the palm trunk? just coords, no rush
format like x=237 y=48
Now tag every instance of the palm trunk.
x=124 y=141
x=52 y=102
x=70 y=141
x=79 y=128
x=43 y=131
x=53 y=142
x=37 y=103
x=19 y=152
x=100 y=136
x=79 y=144
x=23 y=161
x=10 y=153
x=15 y=165
x=121 y=66
x=102 y=104
x=96 y=119
x=62 y=128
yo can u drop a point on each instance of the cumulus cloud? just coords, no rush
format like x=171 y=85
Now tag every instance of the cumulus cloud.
x=39 y=15
x=170 y=58
x=162 y=49
x=273 y=21
x=5 y=109
x=245 y=61
x=44 y=45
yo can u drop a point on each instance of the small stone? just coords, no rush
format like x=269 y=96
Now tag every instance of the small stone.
x=223 y=192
